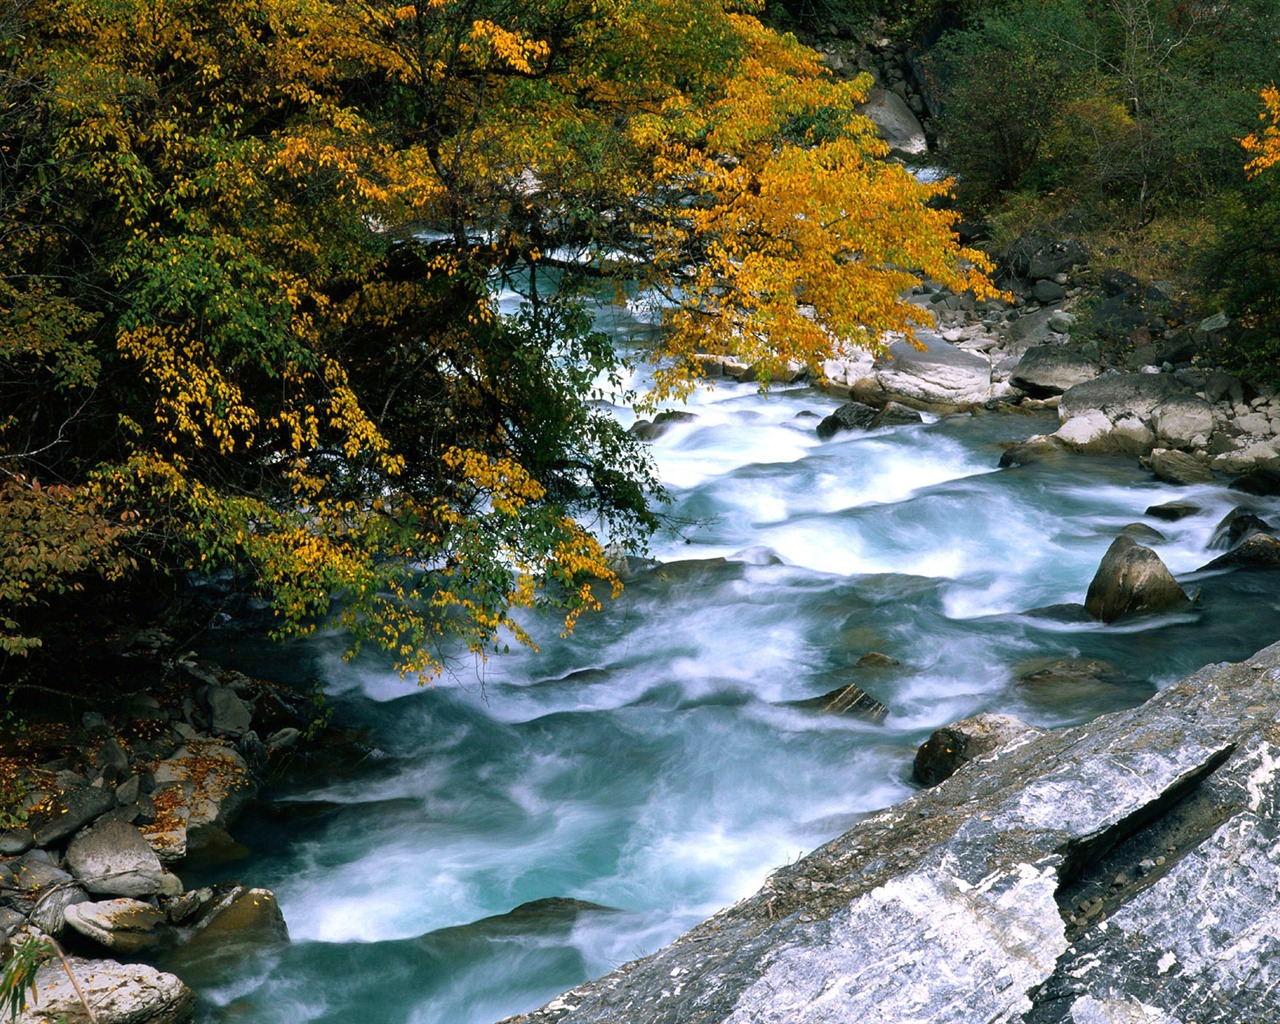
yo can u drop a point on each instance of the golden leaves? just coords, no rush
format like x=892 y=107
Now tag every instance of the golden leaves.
x=1265 y=145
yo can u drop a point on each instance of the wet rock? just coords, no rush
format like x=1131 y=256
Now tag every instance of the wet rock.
x=1052 y=369
x=848 y=700
x=874 y=659
x=1131 y=580
x=1179 y=468
x=1263 y=481
x=72 y=811
x=125 y=926
x=850 y=416
x=952 y=746
x=241 y=917
x=118 y=993
x=1141 y=532
x=14 y=841
x=651 y=430
x=1235 y=526
x=963 y=903
x=1256 y=551
x=114 y=859
x=896 y=415
x=1172 y=511
x=1031 y=451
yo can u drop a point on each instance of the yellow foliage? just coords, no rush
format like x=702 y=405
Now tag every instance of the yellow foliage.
x=1265 y=145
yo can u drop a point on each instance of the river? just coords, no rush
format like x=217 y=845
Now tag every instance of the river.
x=654 y=763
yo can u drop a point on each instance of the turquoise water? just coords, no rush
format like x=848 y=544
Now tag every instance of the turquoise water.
x=652 y=763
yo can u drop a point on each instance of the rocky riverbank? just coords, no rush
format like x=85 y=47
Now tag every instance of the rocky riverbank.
x=1118 y=871
x=109 y=809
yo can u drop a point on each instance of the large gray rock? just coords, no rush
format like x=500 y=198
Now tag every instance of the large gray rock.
x=850 y=416
x=1118 y=871
x=118 y=994
x=1052 y=369
x=1256 y=551
x=1179 y=468
x=940 y=375
x=123 y=925
x=895 y=122
x=228 y=714
x=955 y=745
x=1119 y=395
x=1131 y=580
x=114 y=859
x=49 y=914
x=72 y=810
x=204 y=786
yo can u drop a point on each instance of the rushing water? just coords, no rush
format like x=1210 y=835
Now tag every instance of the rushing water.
x=655 y=763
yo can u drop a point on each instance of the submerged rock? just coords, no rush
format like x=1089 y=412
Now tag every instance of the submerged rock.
x=1256 y=551
x=1131 y=580
x=1235 y=526
x=1065 y=882
x=850 y=416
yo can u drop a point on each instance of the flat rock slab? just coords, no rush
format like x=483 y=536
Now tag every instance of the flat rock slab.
x=124 y=925
x=1120 y=395
x=118 y=994
x=1121 y=870
x=114 y=859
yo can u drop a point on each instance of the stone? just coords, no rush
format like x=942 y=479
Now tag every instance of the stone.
x=1131 y=580
x=49 y=913
x=1256 y=551
x=284 y=738
x=242 y=916
x=895 y=122
x=1263 y=481
x=850 y=416
x=1183 y=420
x=1141 y=531
x=1172 y=511
x=955 y=745
x=14 y=841
x=874 y=659
x=1060 y=322
x=1119 y=395
x=229 y=715
x=118 y=993
x=1235 y=526
x=200 y=790
x=1032 y=450
x=895 y=415
x=113 y=858
x=72 y=810
x=123 y=925
x=847 y=700
x=1030 y=330
x=1089 y=432
x=31 y=873
x=10 y=922
x=960 y=904
x=1220 y=386
x=1051 y=370
x=1179 y=468
x=1048 y=291
x=940 y=375
x=1217 y=322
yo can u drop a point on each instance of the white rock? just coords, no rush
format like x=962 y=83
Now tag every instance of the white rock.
x=118 y=994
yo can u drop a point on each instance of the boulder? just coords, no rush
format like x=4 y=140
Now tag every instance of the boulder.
x=49 y=913
x=1052 y=369
x=895 y=122
x=952 y=746
x=1131 y=580
x=940 y=375
x=1172 y=511
x=123 y=925
x=1179 y=468
x=1263 y=481
x=1256 y=551
x=1235 y=526
x=1048 y=291
x=1032 y=450
x=850 y=416
x=72 y=810
x=1118 y=871
x=118 y=994
x=242 y=916
x=1183 y=421
x=1094 y=434
x=14 y=841
x=1033 y=257
x=896 y=415
x=229 y=715
x=113 y=858
x=1141 y=531
x=1030 y=330
x=32 y=872
x=199 y=791
x=847 y=700
x=1119 y=395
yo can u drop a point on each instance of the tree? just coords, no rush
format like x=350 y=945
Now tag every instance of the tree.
x=248 y=315
x=1265 y=145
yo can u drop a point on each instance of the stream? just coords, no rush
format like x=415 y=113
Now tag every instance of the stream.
x=654 y=767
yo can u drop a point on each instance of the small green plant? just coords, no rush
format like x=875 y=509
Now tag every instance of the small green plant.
x=19 y=976
x=321 y=712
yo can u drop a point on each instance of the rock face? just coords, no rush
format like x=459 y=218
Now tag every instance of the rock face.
x=961 y=742
x=118 y=994
x=1117 y=871
x=1131 y=580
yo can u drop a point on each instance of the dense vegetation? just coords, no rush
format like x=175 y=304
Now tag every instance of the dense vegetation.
x=249 y=260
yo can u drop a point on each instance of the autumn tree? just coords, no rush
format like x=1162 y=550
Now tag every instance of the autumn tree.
x=250 y=267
